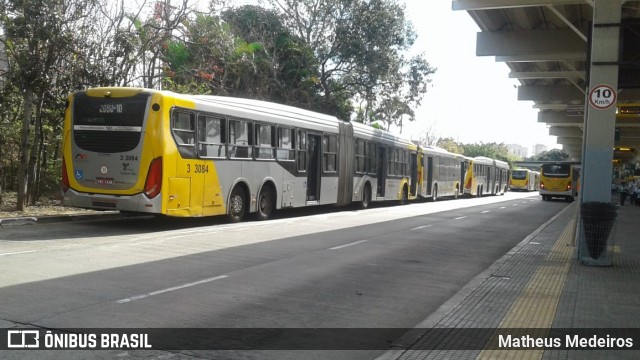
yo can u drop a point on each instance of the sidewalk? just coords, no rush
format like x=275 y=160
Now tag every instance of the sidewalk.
x=540 y=284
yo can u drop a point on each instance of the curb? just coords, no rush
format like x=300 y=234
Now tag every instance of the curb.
x=32 y=220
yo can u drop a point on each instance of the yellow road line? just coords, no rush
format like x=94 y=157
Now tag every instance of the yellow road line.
x=536 y=306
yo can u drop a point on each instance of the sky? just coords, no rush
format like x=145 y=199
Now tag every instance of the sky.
x=470 y=98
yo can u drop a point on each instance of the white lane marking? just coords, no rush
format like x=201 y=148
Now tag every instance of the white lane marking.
x=157 y=292
x=486 y=211
x=460 y=218
x=503 y=207
x=18 y=252
x=514 y=205
x=421 y=227
x=349 y=244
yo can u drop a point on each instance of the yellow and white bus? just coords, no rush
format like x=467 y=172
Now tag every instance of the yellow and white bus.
x=524 y=179
x=560 y=179
x=443 y=173
x=150 y=151
x=486 y=176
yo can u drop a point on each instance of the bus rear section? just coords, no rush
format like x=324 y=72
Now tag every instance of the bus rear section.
x=524 y=180
x=559 y=180
x=108 y=164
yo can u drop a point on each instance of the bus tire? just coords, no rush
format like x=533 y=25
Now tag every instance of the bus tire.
x=366 y=197
x=237 y=205
x=404 y=199
x=266 y=203
x=434 y=194
x=456 y=194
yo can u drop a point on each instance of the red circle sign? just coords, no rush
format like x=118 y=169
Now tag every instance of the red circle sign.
x=602 y=97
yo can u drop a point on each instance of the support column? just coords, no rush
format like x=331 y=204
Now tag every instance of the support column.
x=599 y=126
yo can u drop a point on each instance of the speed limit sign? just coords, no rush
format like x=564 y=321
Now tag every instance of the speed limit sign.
x=602 y=97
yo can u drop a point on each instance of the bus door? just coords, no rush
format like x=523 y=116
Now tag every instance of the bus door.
x=430 y=167
x=414 y=174
x=489 y=181
x=463 y=173
x=314 y=142
x=382 y=170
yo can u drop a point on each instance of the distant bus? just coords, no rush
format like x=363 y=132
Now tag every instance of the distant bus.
x=524 y=179
x=443 y=173
x=559 y=179
x=486 y=176
x=159 y=152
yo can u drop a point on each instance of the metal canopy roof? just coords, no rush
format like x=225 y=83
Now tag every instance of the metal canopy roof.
x=545 y=43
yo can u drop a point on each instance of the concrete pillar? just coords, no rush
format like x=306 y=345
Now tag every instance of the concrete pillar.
x=599 y=124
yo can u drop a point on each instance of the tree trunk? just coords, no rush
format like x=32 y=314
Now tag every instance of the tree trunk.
x=32 y=194
x=23 y=168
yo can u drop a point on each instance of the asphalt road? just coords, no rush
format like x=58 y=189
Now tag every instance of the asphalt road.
x=387 y=267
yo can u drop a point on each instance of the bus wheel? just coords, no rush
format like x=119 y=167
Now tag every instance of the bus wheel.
x=479 y=192
x=405 y=195
x=434 y=195
x=266 y=204
x=237 y=205
x=366 y=197
x=455 y=196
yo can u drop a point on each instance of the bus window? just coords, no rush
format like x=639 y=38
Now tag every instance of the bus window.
x=556 y=170
x=239 y=137
x=286 y=147
x=371 y=158
x=211 y=136
x=301 y=140
x=183 y=127
x=264 y=141
x=361 y=166
x=330 y=150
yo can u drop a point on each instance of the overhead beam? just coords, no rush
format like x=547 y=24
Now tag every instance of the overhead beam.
x=547 y=75
x=559 y=93
x=531 y=45
x=500 y=4
x=559 y=118
x=565 y=131
x=569 y=140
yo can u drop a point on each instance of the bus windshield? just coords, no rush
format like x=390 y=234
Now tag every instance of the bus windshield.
x=519 y=174
x=98 y=121
x=556 y=170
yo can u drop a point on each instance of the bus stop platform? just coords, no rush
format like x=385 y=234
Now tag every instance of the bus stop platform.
x=538 y=292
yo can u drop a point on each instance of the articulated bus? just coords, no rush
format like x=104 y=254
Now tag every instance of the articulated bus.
x=158 y=152
x=443 y=175
x=524 y=179
x=560 y=179
x=486 y=176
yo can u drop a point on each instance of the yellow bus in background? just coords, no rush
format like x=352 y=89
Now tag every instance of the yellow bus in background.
x=560 y=179
x=486 y=176
x=524 y=179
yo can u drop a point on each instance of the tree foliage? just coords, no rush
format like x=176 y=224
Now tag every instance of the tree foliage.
x=361 y=47
x=551 y=155
x=347 y=58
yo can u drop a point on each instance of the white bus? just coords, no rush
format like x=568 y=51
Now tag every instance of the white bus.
x=443 y=173
x=486 y=176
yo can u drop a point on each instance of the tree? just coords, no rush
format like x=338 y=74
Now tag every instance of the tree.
x=429 y=136
x=450 y=145
x=37 y=32
x=360 y=46
x=551 y=155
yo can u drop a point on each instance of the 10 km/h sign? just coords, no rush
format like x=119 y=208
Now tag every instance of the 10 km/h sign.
x=602 y=97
